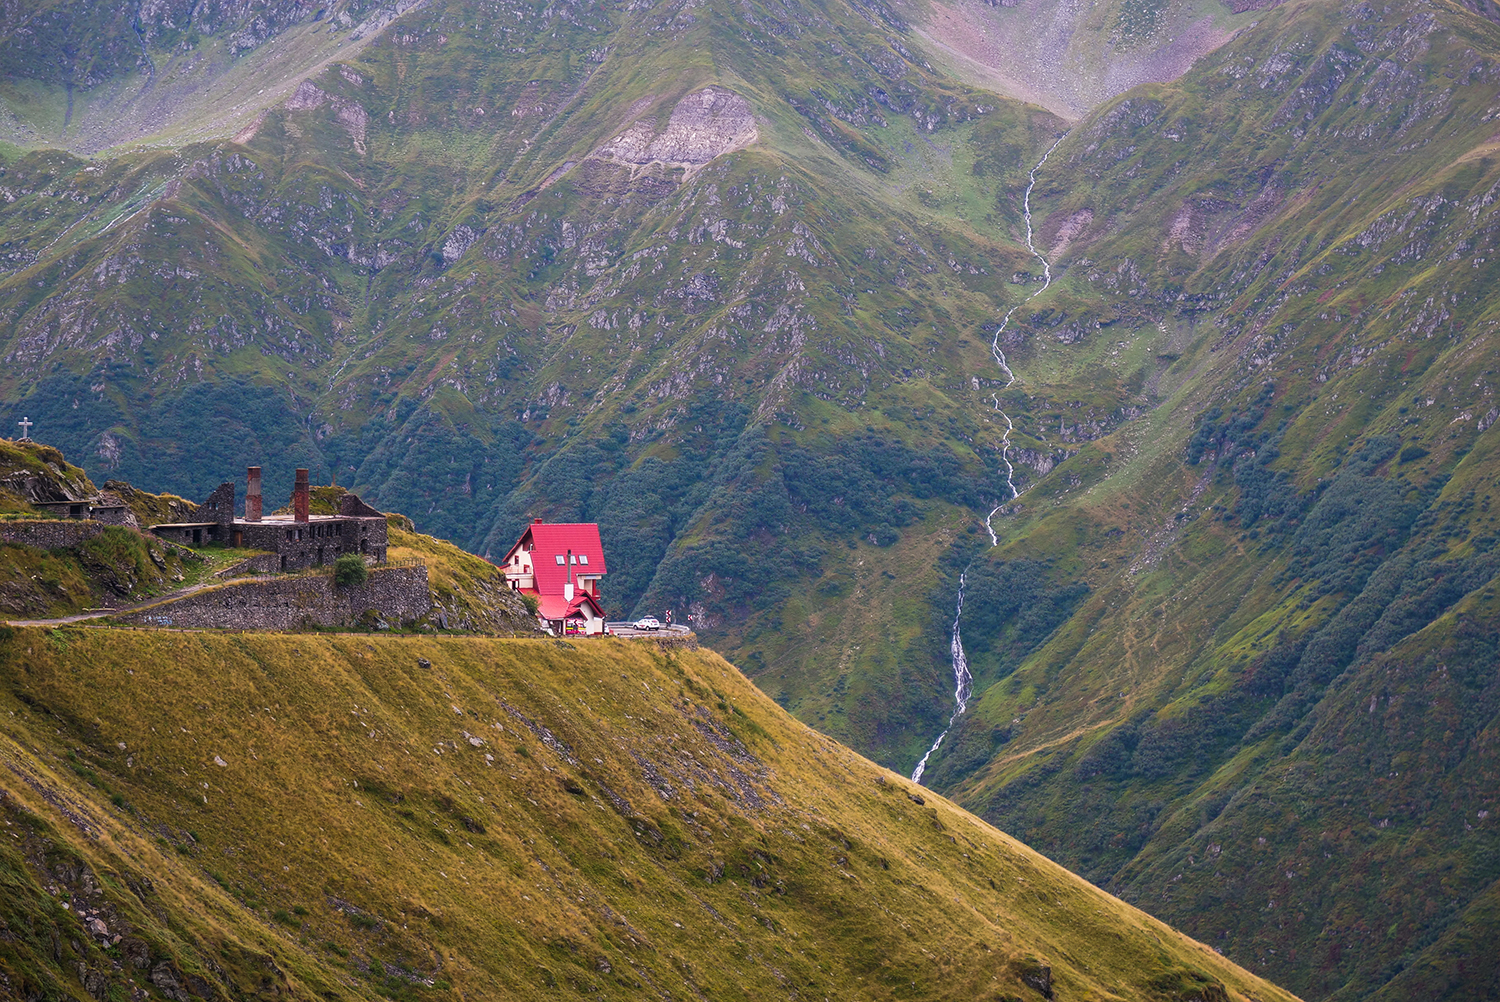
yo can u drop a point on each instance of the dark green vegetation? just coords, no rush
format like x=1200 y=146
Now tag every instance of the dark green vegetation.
x=350 y=570
x=257 y=816
x=1233 y=657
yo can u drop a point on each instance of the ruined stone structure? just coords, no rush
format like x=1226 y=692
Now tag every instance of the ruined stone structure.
x=48 y=533
x=395 y=594
x=103 y=507
x=300 y=539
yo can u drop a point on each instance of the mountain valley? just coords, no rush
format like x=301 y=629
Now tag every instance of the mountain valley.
x=727 y=278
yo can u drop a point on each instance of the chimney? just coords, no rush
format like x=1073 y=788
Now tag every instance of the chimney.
x=536 y=521
x=252 y=494
x=300 y=497
x=568 y=588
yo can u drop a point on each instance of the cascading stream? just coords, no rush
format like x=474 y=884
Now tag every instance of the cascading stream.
x=963 y=682
x=1010 y=377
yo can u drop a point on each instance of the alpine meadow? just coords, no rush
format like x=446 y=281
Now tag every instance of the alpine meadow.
x=1068 y=429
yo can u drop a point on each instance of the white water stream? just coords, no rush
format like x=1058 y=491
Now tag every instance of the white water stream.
x=963 y=682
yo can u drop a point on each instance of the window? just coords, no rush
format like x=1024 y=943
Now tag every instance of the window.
x=583 y=558
x=560 y=561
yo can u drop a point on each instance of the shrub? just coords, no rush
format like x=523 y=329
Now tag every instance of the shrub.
x=1412 y=452
x=350 y=570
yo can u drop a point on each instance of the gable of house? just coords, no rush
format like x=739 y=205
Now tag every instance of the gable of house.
x=550 y=546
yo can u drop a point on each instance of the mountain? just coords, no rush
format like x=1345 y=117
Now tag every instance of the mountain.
x=276 y=816
x=506 y=280
x=1274 y=693
x=727 y=279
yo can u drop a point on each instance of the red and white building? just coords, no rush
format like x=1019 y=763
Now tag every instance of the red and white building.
x=561 y=564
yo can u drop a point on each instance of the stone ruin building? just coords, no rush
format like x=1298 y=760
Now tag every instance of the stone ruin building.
x=300 y=539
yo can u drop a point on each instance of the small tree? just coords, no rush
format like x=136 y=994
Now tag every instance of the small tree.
x=350 y=570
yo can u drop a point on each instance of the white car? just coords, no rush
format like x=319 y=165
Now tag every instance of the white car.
x=648 y=623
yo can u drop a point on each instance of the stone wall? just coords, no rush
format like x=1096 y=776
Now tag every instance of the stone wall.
x=261 y=563
x=398 y=594
x=48 y=533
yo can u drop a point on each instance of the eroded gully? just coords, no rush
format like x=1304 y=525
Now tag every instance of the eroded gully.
x=963 y=681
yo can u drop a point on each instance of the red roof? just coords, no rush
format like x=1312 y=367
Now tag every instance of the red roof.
x=548 y=542
x=557 y=607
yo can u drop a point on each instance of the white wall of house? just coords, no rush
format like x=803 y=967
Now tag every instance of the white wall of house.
x=519 y=573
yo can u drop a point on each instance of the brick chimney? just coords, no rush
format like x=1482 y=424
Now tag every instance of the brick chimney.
x=300 y=497
x=252 y=494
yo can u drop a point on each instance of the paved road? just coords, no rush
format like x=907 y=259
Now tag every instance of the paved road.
x=629 y=630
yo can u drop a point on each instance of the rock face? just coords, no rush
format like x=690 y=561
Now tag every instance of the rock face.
x=350 y=114
x=705 y=124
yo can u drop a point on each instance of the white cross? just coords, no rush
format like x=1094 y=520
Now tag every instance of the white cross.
x=26 y=424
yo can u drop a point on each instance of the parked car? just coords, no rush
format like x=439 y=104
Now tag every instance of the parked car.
x=648 y=623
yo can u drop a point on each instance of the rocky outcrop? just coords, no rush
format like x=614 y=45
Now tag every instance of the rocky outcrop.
x=350 y=114
x=704 y=125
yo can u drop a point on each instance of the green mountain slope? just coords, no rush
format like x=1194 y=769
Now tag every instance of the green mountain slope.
x=724 y=278
x=1275 y=704
x=191 y=815
x=509 y=280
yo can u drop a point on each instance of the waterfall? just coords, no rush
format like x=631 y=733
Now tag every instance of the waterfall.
x=995 y=350
x=963 y=682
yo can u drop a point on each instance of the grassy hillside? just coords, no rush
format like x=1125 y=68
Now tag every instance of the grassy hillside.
x=375 y=817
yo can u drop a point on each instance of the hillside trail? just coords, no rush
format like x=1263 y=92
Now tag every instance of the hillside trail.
x=963 y=680
x=213 y=580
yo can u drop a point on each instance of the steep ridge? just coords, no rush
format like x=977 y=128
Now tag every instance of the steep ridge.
x=303 y=817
